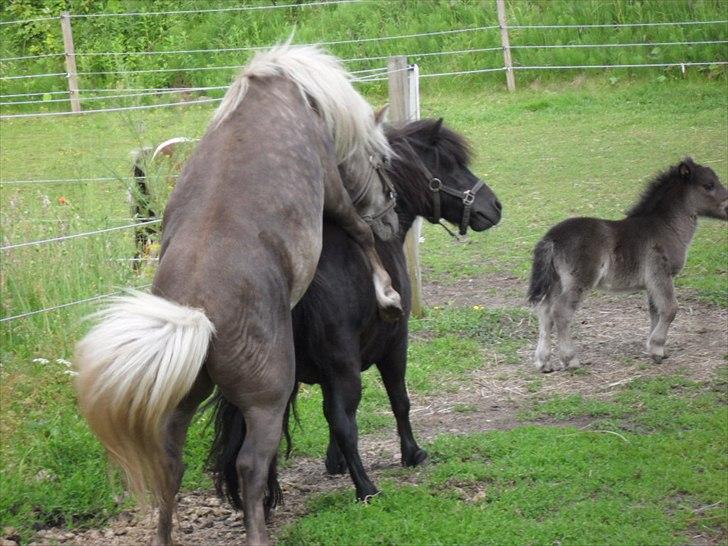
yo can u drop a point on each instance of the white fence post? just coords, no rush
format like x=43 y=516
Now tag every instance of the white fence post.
x=505 y=42
x=70 y=61
x=404 y=106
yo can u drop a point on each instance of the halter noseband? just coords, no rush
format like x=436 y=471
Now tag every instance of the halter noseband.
x=436 y=186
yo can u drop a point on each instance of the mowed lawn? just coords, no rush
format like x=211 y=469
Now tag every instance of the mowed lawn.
x=585 y=148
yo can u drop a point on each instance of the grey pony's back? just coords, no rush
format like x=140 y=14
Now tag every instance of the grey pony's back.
x=543 y=274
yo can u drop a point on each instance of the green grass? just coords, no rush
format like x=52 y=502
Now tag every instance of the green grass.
x=549 y=485
x=352 y=22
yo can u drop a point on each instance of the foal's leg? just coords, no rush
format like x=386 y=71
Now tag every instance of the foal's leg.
x=662 y=294
x=176 y=434
x=392 y=368
x=562 y=309
x=338 y=207
x=545 y=325
x=341 y=388
x=654 y=315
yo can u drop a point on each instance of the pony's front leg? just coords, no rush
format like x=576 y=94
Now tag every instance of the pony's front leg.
x=393 y=368
x=338 y=207
x=662 y=295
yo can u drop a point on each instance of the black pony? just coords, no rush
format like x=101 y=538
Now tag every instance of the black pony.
x=337 y=330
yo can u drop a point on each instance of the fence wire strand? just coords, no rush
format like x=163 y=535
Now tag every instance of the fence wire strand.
x=77 y=302
x=78 y=235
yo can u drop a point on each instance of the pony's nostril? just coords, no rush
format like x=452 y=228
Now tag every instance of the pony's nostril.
x=497 y=205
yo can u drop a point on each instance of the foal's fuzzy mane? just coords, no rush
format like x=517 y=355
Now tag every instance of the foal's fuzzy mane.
x=655 y=192
x=450 y=146
x=321 y=79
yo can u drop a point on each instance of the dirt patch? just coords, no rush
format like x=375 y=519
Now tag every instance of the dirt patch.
x=610 y=331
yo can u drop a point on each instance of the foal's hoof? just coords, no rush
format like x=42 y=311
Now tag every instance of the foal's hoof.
x=544 y=367
x=657 y=359
x=419 y=457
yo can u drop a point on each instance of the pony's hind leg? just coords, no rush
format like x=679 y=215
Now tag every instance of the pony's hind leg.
x=176 y=434
x=545 y=326
x=662 y=295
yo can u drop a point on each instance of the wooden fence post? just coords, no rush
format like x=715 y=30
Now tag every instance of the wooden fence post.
x=404 y=106
x=70 y=61
x=505 y=42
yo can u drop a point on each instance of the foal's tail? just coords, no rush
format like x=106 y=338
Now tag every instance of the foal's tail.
x=543 y=274
x=229 y=436
x=134 y=368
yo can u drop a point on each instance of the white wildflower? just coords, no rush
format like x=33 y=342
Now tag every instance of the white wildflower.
x=41 y=360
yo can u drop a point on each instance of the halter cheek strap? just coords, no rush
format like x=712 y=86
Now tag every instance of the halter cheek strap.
x=436 y=186
x=467 y=196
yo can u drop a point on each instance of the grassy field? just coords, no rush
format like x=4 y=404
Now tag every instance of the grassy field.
x=552 y=151
x=354 y=24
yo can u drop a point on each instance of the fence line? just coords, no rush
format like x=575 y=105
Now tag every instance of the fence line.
x=61 y=180
x=127 y=96
x=101 y=110
x=565 y=67
x=620 y=25
x=78 y=235
x=77 y=302
x=213 y=10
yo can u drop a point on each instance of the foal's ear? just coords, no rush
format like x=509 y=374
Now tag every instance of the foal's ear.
x=435 y=131
x=379 y=114
x=686 y=167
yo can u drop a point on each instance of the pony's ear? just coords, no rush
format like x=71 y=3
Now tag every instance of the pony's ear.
x=435 y=131
x=379 y=114
x=686 y=167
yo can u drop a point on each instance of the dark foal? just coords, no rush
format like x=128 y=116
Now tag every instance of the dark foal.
x=337 y=330
x=646 y=250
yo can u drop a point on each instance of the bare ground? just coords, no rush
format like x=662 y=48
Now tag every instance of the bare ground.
x=610 y=332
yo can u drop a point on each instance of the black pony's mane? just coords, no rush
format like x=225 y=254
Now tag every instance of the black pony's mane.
x=429 y=134
x=653 y=196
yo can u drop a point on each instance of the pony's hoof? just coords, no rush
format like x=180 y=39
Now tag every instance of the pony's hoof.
x=657 y=359
x=336 y=467
x=366 y=499
x=419 y=457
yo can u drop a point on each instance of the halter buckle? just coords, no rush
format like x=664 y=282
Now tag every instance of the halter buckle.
x=435 y=184
x=468 y=197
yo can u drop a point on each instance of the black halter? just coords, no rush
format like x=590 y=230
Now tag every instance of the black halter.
x=378 y=167
x=436 y=186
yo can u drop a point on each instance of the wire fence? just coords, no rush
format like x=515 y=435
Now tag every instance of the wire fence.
x=374 y=73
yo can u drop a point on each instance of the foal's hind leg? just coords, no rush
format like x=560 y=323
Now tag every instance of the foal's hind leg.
x=176 y=434
x=562 y=309
x=545 y=325
x=662 y=295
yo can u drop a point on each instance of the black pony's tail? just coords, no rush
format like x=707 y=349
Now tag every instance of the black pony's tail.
x=543 y=274
x=229 y=435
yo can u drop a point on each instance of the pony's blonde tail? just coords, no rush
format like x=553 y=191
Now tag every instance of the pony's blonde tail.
x=134 y=368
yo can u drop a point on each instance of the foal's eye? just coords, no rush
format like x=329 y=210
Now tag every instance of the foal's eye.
x=709 y=186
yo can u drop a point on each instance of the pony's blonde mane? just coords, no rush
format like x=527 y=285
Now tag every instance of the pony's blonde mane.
x=320 y=77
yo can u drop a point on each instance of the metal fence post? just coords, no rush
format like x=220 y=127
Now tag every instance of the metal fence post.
x=505 y=42
x=70 y=61
x=404 y=106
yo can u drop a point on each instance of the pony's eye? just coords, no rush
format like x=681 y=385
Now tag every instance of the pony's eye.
x=709 y=186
